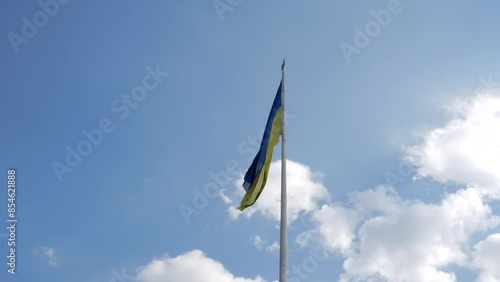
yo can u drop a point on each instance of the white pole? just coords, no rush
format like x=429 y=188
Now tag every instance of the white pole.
x=283 y=227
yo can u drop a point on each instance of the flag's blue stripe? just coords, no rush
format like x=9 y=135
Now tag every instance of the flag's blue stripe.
x=259 y=159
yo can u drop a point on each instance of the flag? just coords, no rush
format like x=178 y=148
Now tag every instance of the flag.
x=256 y=175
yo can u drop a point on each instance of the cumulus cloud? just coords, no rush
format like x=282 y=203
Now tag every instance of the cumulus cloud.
x=487 y=258
x=401 y=240
x=381 y=235
x=419 y=238
x=335 y=228
x=193 y=266
x=467 y=148
x=47 y=254
x=305 y=192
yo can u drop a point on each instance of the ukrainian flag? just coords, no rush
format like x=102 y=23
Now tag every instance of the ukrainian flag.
x=256 y=176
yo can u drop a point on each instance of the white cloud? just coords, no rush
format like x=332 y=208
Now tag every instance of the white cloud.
x=47 y=254
x=378 y=233
x=467 y=149
x=193 y=266
x=337 y=223
x=419 y=238
x=381 y=235
x=304 y=188
x=335 y=228
x=487 y=258
x=263 y=244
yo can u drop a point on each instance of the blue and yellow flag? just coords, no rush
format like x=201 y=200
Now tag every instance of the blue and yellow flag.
x=256 y=176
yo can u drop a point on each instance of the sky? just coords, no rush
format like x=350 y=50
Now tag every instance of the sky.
x=129 y=125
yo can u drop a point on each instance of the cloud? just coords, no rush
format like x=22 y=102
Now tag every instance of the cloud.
x=193 y=266
x=262 y=244
x=487 y=258
x=304 y=187
x=467 y=148
x=47 y=254
x=379 y=234
x=335 y=228
x=419 y=238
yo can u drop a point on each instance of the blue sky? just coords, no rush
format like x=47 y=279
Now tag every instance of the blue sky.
x=417 y=95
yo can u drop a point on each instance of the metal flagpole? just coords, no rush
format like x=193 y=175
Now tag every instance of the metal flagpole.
x=283 y=225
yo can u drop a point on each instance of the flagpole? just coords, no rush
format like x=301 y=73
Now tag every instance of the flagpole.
x=283 y=223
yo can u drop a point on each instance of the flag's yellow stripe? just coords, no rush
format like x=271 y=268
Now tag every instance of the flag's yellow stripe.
x=257 y=187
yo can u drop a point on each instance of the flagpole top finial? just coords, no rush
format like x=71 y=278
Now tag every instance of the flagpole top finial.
x=283 y=65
